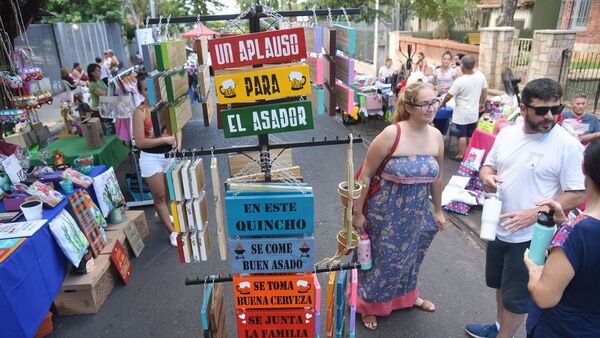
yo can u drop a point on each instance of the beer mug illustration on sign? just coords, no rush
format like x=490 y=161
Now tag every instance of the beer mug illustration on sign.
x=227 y=88
x=298 y=80
x=303 y=286
x=243 y=288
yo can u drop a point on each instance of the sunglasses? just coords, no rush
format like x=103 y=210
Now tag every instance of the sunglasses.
x=541 y=111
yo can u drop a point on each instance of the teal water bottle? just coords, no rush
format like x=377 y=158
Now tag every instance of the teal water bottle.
x=542 y=235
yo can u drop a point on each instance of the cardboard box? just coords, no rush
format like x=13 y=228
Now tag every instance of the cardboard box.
x=22 y=139
x=92 y=132
x=85 y=294
x=138 y=217
x=111 y=238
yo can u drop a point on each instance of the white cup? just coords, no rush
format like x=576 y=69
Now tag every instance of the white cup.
x=492 y=208
x=32 y=210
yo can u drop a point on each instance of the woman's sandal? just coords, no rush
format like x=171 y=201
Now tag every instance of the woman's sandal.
x=369 y=321
x=424 y=305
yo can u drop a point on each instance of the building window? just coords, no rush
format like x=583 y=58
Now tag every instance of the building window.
x=580 y=13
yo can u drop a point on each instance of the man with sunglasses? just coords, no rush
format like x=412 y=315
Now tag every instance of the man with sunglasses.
x=528 y=162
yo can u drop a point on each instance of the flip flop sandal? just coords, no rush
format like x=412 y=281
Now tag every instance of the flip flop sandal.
x=369 y=324
x=424 y=305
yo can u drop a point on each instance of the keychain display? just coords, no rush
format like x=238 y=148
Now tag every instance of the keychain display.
x=31 y=73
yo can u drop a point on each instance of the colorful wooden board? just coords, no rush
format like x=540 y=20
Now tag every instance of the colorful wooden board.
x=208 y=107
x=273 y=291
x=284 y=45
x=159 y=116
x=219 y=214
x=261 y=84
x=180 y=113
x=176 y=84
x=317 y=306
x=201 y=48
x=149 y=56
x=329 y=40
x=205 y=310
x=329 y=67
x=156 y=92
x=275 y=323
x=270 y=213
x=344 y=97
x=315 y=68
x=204 y=80
x=120 y=260
x=346 y=39
x=329 y=99
x=170 y=54
x=314 y=39
x=340 y=299
x=272 y=254
x=330 y=305
x=267 y=119
x=133 y=237
x=317 y=99
x=344 y=69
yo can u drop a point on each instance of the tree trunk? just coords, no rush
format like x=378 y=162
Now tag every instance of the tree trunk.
x=508 y=13
x=442 y=30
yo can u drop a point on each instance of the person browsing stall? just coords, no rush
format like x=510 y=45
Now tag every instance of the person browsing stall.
x=566 y=287
x=585 y=126
x=96 y=86
x=530 y=161
x=387 y=70
x=153 y=163
x=469 y=92
x=398 y=217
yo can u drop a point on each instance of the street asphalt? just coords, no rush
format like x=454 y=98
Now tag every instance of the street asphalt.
x=156 y=303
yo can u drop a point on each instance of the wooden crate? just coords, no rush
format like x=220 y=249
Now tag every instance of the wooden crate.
x=111 y=238
x=136 y=216
x=85 y=294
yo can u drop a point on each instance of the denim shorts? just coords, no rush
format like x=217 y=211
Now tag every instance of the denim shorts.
x=505 y=270
x=463 y=130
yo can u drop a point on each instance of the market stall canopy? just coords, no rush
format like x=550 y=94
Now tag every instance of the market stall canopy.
x=200 y=30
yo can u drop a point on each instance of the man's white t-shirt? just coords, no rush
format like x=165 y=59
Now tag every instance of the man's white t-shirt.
x=533 y=167
x=385 y=71
x=466 y=90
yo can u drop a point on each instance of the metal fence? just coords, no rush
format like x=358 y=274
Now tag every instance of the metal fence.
x=580 y=73
x=520 y=56
x=60 y=45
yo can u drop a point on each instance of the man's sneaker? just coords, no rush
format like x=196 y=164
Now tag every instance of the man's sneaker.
x=482 y=330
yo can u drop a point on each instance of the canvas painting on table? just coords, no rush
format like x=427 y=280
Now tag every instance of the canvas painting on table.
x=108 y=192
x=69 y=237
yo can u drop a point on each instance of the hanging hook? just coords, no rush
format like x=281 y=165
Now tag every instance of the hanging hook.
x=329 y=17
x=346 y=16
x=315 y=23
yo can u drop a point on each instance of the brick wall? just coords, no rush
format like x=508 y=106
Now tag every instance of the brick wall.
x=433 y=49
x=566 y=14
x=591 y=34
x=499 y=2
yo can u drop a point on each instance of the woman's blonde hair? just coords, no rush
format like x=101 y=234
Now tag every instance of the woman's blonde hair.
x=408 y=97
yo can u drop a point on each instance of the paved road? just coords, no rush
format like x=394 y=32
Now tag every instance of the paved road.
x=156 y=303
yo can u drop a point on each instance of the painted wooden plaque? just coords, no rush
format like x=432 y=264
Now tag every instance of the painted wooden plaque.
x=219 y=212
x=329 y=67
x=316 y=99
x=135 y=240
x=205 y=310
x=261 y=84
x=284 y=45
x=267 y=119
x=346 y=39
x=344 y=69
x=330 y=305
x=273 y=291
x=170 y=54
x=201 y=48
x=180 y=113
x=340 y=300
x=120 y=259
x=149 y=56
x=315 y=68
x=344 y=97
x=176 y=84
x=329 y=99
x=208 y=107
x=314 y=39
x=272 y=255
x=204 y=80
x=317 y=306
x=270 y=214
x=329 y=40
x=275 y=323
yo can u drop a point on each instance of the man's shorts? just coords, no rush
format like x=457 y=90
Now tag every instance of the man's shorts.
x=463 y=130
x=505 y=270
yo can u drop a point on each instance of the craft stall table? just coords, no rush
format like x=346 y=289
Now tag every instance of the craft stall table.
x=111 y=154
x=481 y=140
x=31 y=277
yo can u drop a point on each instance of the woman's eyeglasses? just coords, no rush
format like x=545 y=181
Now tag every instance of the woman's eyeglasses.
x=541 y=111
x=425 y=106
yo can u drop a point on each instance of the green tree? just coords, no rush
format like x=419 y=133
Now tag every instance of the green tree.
x=445 y=12
x=75 y=11
x=508 y=13
x=367 y=8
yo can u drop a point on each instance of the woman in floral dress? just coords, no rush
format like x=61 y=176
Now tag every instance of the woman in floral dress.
x=399 y=219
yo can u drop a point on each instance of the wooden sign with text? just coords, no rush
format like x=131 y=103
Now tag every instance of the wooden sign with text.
x=275 y=323
x=273 y=291
x=270 y=214
x=272 y=254
x=261 y=84
x=344 y=69
x=267 y=119
x=278 y=46
x=346 y=39
x=120 y=260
